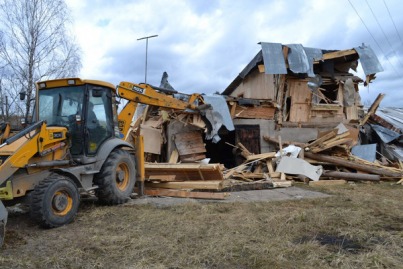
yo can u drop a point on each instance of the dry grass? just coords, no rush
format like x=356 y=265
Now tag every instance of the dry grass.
x=360 y=226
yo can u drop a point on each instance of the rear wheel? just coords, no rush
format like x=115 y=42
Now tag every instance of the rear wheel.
x=117 y=178
x=55 y=201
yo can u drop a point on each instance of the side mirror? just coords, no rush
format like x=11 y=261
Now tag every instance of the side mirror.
x=97 y=92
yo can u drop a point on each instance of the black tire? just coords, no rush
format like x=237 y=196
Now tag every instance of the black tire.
x=116 y=179
x=55 y=201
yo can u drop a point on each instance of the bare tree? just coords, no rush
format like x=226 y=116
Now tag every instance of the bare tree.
x=35 y=45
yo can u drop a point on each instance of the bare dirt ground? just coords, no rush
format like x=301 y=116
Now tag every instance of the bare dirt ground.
x=355 y=226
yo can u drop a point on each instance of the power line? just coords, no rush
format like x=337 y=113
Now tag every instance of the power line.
x=390 y=16
x=384 y=34
x=376 y=42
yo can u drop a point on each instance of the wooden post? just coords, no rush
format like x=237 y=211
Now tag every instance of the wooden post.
x=280 y=146
x=373 y=108
x=351 y=176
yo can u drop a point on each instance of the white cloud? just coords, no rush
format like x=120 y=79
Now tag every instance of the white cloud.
x=203 y=45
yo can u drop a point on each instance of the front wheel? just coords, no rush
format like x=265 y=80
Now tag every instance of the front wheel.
x=117 y=178
x=54 y=201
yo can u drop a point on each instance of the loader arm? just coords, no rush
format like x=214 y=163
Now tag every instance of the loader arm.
x=5 y=131
x=17 y=151
x=146 y=94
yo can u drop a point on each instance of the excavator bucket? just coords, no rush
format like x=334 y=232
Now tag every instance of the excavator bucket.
x=3 y=221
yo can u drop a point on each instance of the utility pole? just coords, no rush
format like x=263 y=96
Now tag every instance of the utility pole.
x=146 y=38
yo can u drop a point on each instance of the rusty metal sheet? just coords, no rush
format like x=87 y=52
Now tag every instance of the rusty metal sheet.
x=273 y=57
x=369 y=61
x=297 y=59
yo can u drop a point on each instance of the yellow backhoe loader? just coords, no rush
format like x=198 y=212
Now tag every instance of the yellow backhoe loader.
x=75 y=147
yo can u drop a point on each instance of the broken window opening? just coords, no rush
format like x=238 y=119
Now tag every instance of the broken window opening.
x=326 y=94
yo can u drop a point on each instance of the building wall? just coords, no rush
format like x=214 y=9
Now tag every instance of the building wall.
x=256 y=86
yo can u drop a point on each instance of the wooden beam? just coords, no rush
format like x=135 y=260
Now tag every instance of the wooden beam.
x=233 y=109
x=331 y=144
x=185 y=171
x=282 y=184
x=261 y=156
x=373 y=108
x=182 y=166
x=199 y=185
x=275 y=175
x=325 y=137
x=328 y=182
x=260 y=112
x=174 y=156
x=163 y=178
x=337 y=54
x=186 y=194
x=276 y=141
x=270 y=166
x=327 y=107
x=351 y=176
x=354 y=165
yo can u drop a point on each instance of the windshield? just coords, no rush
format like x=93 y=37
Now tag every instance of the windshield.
x=59 y=106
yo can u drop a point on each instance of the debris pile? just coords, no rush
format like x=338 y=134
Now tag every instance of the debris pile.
x=293 y=114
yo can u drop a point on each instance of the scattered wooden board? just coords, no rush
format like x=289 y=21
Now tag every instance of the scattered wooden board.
x=260 y=156
x=185 y=171
x=162 y=178
x=189 y=143
x=328 y=182
x=260 y=112
x=174 y=156
x=152 y=139
x=189 y=185
x=185 y=194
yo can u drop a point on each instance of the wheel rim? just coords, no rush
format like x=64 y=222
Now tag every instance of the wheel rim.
x=122 y=176
x=62 y=203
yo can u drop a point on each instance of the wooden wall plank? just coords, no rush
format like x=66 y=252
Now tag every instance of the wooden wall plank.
x=257 y=86
x=152 y=139
x=189 y=143
x=300 y=101
x=255 y=112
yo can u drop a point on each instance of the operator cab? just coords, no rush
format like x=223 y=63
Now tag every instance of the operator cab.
x=85 y=108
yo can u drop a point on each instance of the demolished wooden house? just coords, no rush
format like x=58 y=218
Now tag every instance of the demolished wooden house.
x=291 y=90
x=290 y=94
x=286 y=95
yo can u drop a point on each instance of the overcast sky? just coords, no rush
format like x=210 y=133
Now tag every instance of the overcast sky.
x=204 y=44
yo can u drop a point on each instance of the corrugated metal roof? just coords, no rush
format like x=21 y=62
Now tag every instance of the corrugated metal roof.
x=301 y=60
x=392 y=115
x=385 y=134
x=252 y=64
x=298 y=60
x=369 y=61
x=313 y=54
x=273 y=58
